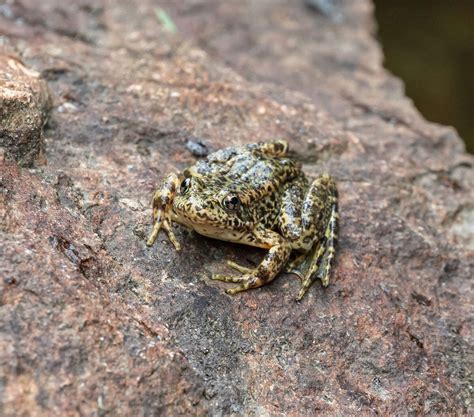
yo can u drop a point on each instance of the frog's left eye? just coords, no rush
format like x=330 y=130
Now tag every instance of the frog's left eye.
x=231 y=202
x=185 y=185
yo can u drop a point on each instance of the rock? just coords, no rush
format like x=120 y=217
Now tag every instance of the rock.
x=24 y=110
x=67 y=347
x=325 y=7
x=197 y=147
x=92 y=321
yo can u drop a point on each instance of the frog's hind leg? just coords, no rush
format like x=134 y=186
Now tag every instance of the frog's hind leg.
x=331 y=242
x=307 y=268
x=276 y=148
x=309 y=219
x=318 y=262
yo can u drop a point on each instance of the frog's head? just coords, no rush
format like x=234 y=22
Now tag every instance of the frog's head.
x=210 y=206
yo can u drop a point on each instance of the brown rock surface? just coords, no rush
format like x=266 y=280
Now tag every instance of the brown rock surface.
x=92 y=322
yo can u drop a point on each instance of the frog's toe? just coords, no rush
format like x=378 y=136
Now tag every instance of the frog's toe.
x=234 y=290
x=167 y=227
x=325 y=280
x=247 y=282
x=227 y=278
x=240 y=268
x=173 y=240
x=154 y=234
x=304 y=288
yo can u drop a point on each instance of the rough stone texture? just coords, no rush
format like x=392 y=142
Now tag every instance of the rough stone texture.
x=24 y=109
x=92 y=322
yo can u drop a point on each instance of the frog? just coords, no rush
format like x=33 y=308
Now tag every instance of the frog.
x=256 y=195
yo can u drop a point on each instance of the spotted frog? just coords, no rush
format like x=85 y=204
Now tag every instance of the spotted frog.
x=258 y=196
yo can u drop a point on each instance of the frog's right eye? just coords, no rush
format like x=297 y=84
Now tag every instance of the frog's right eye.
x=185 y=185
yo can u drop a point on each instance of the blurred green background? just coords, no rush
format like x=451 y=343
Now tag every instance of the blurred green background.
x=429 y=44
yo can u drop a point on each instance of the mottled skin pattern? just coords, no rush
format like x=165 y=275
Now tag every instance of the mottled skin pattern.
x=256 y=196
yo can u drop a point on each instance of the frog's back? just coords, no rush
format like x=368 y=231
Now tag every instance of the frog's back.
x=258 y=178
x=248 y=167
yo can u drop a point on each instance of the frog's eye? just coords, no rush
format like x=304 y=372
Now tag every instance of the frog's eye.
x=185 y=185
x=231 y=202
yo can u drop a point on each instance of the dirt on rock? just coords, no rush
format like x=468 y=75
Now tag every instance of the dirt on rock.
x=93 y=322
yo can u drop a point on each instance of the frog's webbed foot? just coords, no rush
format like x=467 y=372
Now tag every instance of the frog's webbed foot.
x=162 y=206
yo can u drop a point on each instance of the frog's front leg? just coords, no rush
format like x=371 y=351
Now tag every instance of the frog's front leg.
x=276 y=258
x=162 y=209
